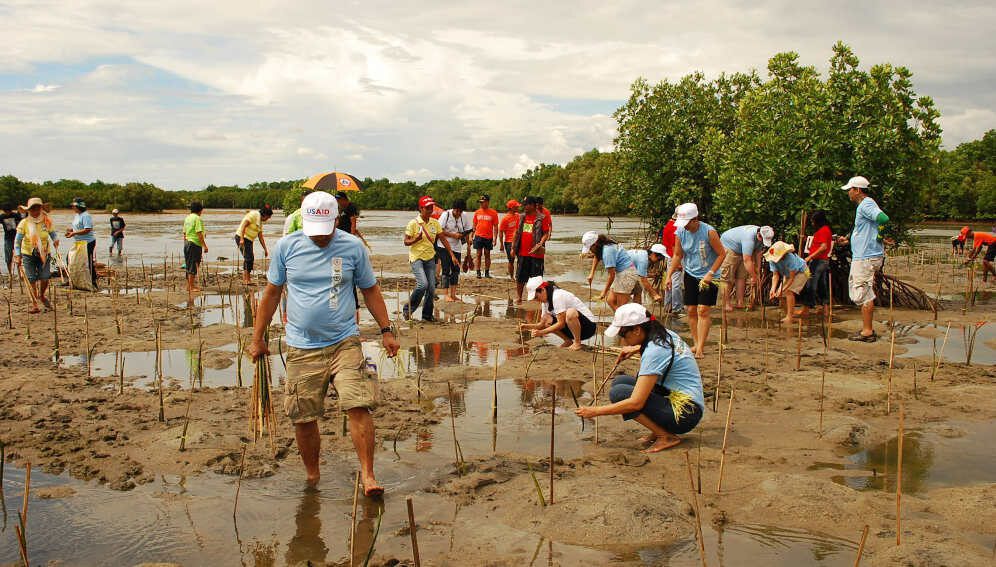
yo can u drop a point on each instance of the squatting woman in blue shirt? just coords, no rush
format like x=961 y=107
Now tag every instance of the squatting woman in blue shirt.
x=666 y=395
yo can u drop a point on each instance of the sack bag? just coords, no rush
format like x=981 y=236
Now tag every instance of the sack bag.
x=79 y=268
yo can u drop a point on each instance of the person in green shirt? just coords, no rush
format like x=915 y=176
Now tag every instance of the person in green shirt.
x=194 y=244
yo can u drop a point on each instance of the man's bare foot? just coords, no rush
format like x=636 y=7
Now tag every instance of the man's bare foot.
x=194 y=290
x=449 y=299
x=663 y=442
x=372 y=488
x=312 y=481
x=575 y=347
x=728 y=308
x=698 y=354
x=788 y=320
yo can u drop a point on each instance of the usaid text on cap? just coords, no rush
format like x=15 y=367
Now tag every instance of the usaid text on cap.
x=318 y=212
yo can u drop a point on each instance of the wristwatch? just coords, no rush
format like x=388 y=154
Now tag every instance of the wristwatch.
x=385 y=330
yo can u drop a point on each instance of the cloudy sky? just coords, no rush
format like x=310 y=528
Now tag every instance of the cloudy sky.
x=184 y=93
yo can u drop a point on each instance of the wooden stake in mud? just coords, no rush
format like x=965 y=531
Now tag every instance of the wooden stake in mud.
x=726 y=436
x=55 y=328
x=352 y=522
x=695 y=508
x=22 y=528
x=940 y=355
x=553 y=427
x=159 y=373
x=823 y=378
x=798 y=348
x=411 y=530
x=594 y=398
x=719 y=374
x=121 y=371
x=238 y=482
x=899 y=478
x=456 y=444
x=494 y=397
x=892 y=359
x=86 y=339
x=861 y=546
x=186 y=424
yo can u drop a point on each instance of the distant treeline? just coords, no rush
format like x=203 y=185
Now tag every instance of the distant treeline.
x=745 y=148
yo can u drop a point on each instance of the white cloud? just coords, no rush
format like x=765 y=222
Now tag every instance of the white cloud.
x=184 y=97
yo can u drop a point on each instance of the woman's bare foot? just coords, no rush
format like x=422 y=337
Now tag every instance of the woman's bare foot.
x=648 y=438
x=449 y=299
x=312 y=481
x=372 y=488
x=575 y=346
x=728 y=308
x=788 y=320
x=698 y=354
x=566 y=344
x=663 y=442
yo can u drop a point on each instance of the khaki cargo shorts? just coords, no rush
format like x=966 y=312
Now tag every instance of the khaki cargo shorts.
x=626 y=281
x=799 y=282
x=309 y=372
x=733 y=267
x=861 y=280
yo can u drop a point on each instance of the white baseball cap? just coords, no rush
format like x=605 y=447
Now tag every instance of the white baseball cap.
x=115 y=211
x=318 y=213
x=686 y=212
x=532 y=284
x=767 y=235
x=587 y=239
x=627 y=316
x=659 y=249
x=856 y=182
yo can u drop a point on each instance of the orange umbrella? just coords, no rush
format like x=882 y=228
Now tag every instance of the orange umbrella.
x=333 y=182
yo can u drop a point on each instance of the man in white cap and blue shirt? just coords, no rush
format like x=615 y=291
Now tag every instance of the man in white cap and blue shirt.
x=319 y=265
x=743 y=255
x=867 y=254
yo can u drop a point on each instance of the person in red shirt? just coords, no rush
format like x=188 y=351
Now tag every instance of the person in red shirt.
x=509 y=224
x=979 y=239
x=817 y=290
x=485 y=233
x=674 y=297
x=529 y=244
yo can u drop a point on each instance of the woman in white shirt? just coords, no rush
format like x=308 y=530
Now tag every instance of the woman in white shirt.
x=562 y=314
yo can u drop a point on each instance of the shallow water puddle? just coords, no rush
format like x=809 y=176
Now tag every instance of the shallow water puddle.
x=189 y=521
x=955 y=351
x=959 y=456
x=437 y=355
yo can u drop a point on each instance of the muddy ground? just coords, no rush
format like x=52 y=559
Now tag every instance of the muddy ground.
x=610 y=497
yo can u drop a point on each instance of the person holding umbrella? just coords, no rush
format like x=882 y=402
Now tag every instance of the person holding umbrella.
x=251 y=227
x=34 y=242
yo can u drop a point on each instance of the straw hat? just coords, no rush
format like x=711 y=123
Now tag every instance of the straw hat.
x=777 y=250
x=47 y=207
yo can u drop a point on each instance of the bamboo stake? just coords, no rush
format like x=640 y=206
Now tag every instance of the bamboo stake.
x=159 y=372
x=553 y=427
x=719 y=374
x=411 y=530
x=494 y=397
x=892 y=358
x=121 y=372
x=186 y=423
x=86 y=339
x=695 y=508
x=798 y=348
x=55 y=329
x=22 y=528
x=899 y=478
x=726 y=435
x=604 y=380
x=539 y=490
x=352 y=521
x=939 y=356
x=456 y=444
x=823 y=377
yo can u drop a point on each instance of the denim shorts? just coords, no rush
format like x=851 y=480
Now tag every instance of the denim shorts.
x=34 y=269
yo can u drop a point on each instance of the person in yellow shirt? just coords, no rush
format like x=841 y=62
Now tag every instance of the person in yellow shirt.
x=251 y=227
x=34 y=239
x=420 y=238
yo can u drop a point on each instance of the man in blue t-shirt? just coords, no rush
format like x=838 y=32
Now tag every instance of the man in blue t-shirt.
x=319 y=266
x=867 y=254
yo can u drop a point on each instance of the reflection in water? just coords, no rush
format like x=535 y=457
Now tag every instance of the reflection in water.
x=918 y=459
x=366 y=526
x=307 y=545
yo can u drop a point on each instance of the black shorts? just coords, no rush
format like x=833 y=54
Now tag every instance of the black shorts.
x=481 y=243
x=991 y=253
x=508 y=250
x=528 y=267
x=694 y=296
x=192 y=254
x=587 y=328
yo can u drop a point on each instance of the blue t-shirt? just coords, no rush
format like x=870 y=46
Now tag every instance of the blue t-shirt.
x=684 y=374
x=615 y=256
x=789 y=263
x=641 y=260
x=321 y=310
x=741 y=240
x=83 y=221
x=698 y=253
x=864 y=237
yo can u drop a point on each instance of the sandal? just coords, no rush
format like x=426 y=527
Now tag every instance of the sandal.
x=864 y=338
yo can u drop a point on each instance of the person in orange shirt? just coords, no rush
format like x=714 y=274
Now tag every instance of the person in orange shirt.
x=485 y=233
x=979 y=239
x=509 y=224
